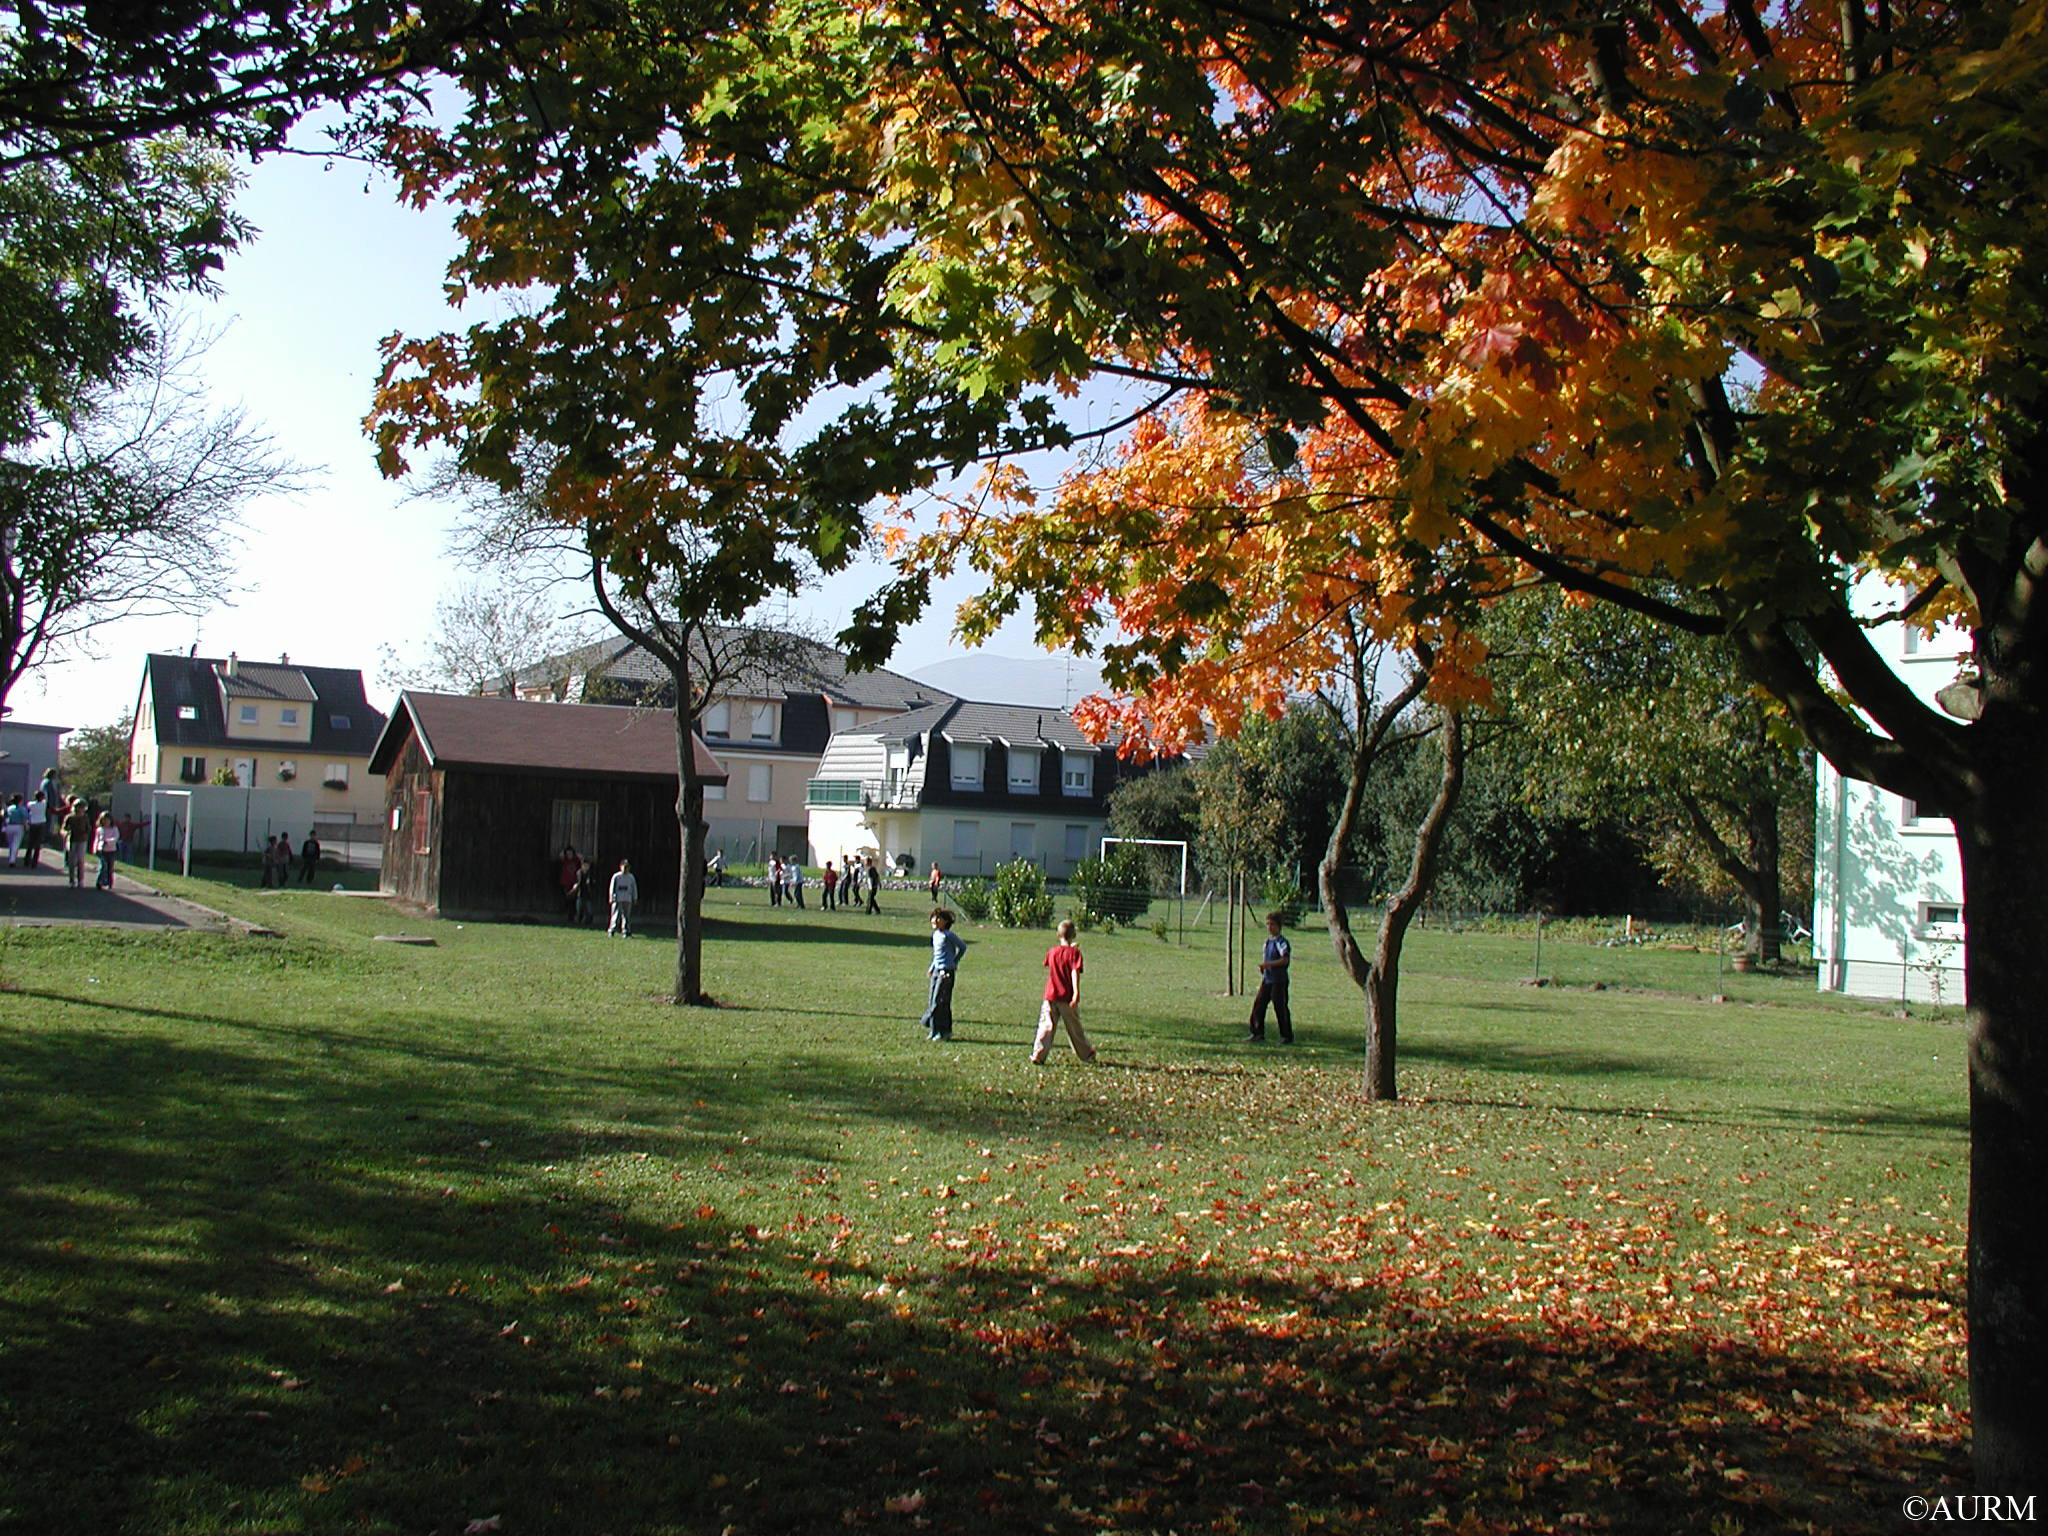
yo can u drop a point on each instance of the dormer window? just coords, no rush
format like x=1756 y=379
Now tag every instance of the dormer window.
x=966 y=766
x=1023 y=771
x=1077 y=773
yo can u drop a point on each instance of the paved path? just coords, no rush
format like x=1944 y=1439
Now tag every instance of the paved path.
x=40 y=898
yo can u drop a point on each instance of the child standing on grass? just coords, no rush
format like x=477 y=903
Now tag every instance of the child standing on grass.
x=1273 y=984
x=947 y=948
x=625 y=890
x=1062 y=1004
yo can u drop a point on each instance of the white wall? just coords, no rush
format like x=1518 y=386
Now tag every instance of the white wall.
x=223 y=819
x=1883 y=871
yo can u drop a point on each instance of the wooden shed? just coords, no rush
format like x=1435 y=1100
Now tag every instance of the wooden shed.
x=482 y=794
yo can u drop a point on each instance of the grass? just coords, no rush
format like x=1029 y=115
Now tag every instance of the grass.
x=317 y=1234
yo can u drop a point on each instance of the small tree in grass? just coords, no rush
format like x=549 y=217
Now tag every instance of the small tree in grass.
x=1115 y=888
x=1020 y=898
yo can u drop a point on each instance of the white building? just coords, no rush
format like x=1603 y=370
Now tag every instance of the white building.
x=966 y=786
x=1888 y=875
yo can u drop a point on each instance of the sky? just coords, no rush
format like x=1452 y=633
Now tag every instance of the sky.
x=330 y=575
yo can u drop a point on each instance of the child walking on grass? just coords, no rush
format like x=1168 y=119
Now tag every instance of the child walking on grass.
x=1062 y=1003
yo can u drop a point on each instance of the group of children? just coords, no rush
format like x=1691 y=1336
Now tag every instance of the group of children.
x=48 y=818
x=578 y=880
x=1061 y=1004
x=837 y=888
x=277 y=860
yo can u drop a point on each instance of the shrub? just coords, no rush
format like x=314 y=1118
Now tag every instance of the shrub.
x=1021 y=899
x=973 y=897
x=1115 y=889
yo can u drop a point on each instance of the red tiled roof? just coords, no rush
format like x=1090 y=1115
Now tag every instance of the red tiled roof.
x=604 y=740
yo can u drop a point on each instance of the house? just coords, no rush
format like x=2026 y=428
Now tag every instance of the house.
x=27 y=752
x=277 y=725
x=967 y=786
x=769 y=723
x=482 y=794
x=1888 y=877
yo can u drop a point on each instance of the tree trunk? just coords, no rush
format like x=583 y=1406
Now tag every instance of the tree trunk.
x=1756 y=871
x=690 y=876
x=1767 y=900
x=1382 y=990
x=2005 y=883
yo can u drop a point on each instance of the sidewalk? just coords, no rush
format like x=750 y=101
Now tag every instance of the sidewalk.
x=40 y=898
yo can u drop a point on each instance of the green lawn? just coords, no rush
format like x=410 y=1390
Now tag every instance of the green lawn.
x=317 y=1234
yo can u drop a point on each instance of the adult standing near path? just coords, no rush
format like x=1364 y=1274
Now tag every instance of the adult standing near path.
x=77 y=833
x=947 y=948
x=874 y=888
x=1062 y=1004
x=936 y=881
x=829 y=881
x=1273 y=984
x=625 y=890
x=795 y=871
x=309 y=859
x=38 y=829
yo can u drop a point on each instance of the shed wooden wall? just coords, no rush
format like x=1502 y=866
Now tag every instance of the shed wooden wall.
x=494 y=840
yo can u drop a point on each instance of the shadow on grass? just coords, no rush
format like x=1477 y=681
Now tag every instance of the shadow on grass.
x=252 y=1294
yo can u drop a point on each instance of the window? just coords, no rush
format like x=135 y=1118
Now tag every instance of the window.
x=717 y=719
x=967 y=841
x=339 y=722
x=1913 y=819
x=572 y=824
x=764 y=722
x=966 y=766
x=246 y=715
x=1023 y=770
x=845 y=719
x=422 y=821
x=760 y=781
x=188 y=711
x=1023 y=839
x=287 y=716
x=714 y=791
x=335 y=776
x=1077 y=773
x=1077 y=843
x=1941 y=921
x=192 y=770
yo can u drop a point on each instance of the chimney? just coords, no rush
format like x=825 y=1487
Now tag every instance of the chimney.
x=284 y=658
x=234 y=665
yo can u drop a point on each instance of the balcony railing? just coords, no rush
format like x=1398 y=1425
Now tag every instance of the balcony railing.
x=888 y=795
x=867 y=794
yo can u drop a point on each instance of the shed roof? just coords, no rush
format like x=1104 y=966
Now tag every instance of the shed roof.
x=521 y=736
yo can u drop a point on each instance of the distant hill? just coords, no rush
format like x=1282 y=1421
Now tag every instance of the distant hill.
x=1048 y=682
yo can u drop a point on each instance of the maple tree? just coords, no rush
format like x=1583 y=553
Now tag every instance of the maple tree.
x=1694 y=314
x=1701 y=315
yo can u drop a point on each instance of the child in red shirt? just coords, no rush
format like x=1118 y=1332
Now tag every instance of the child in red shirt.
x=1062 y=1003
